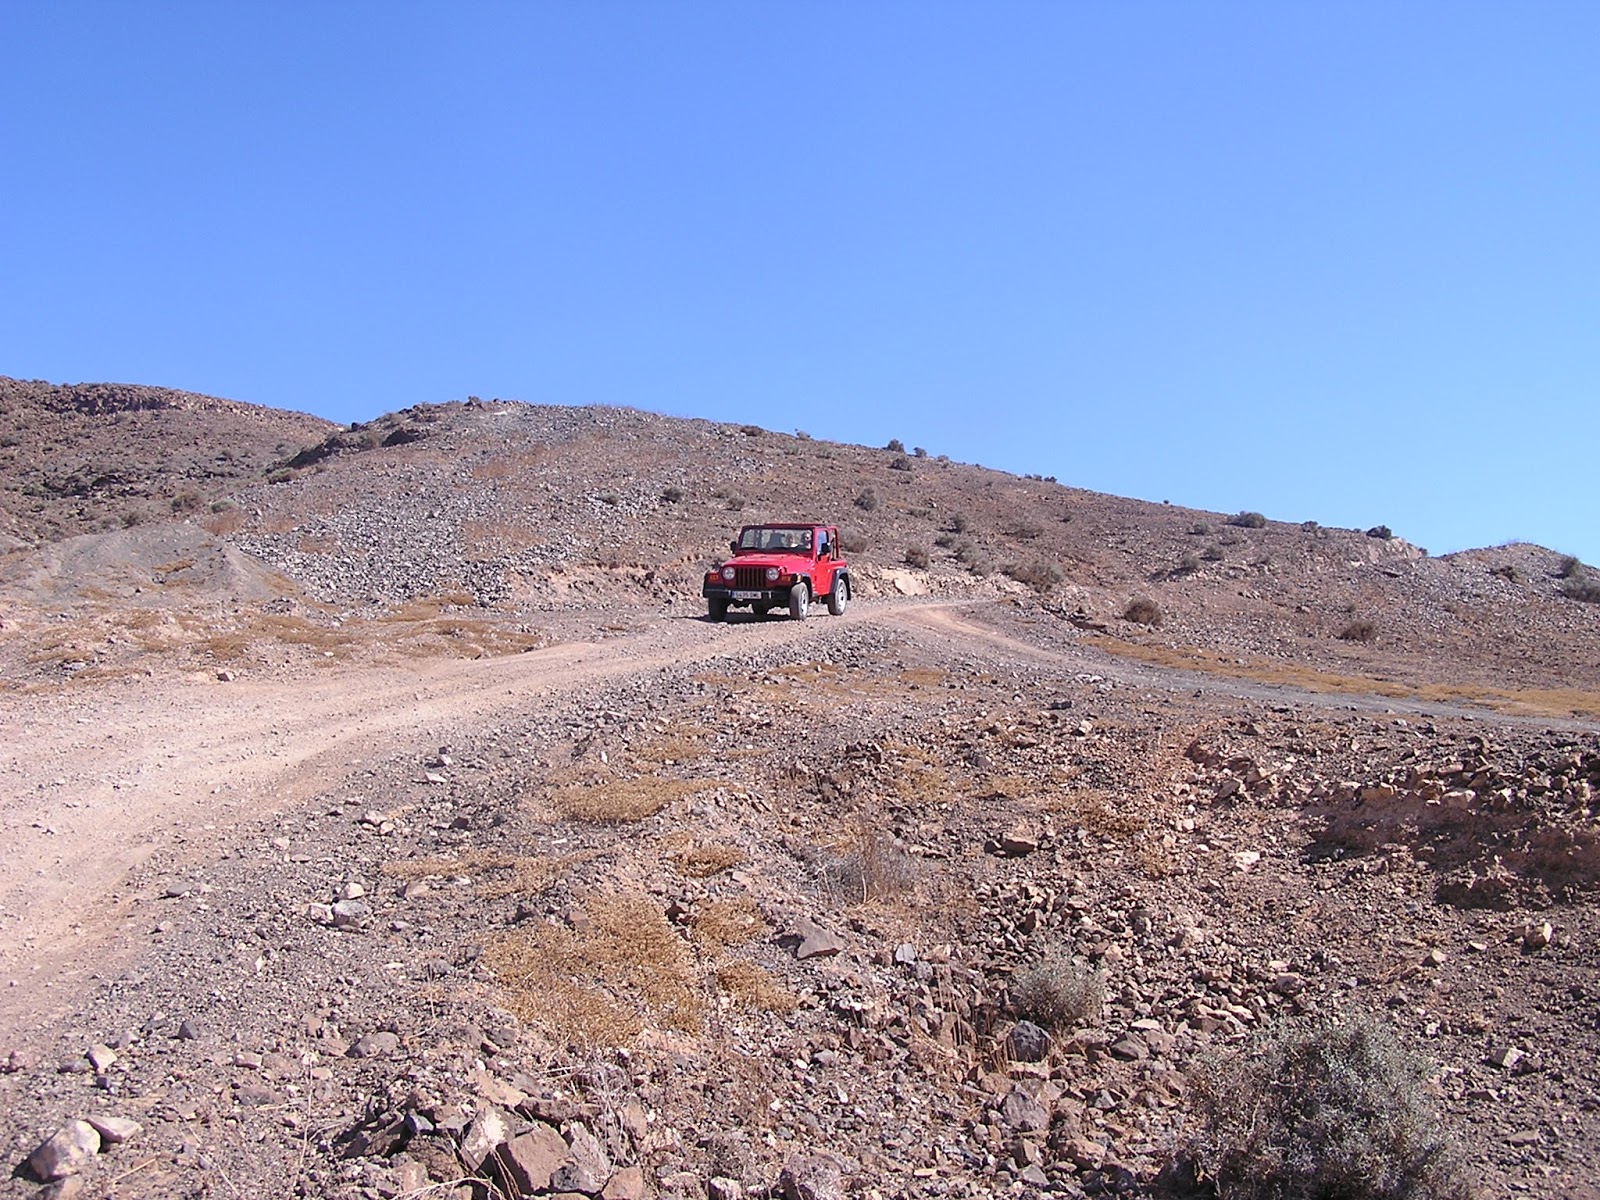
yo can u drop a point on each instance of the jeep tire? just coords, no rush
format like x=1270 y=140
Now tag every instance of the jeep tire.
x=717 y=608
x=839 y=598
x=799 y=600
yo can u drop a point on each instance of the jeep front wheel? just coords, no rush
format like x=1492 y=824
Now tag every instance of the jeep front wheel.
x=839 y=598
x=799 y=600
x=717 y=608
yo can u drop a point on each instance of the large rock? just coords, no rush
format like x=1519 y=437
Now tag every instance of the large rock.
x=811 y=940
x=1023 y=1113
x=530 y=1160
x=66 y=1151
x=588 y=1167
x=1028 y=1042
x=488 y=1129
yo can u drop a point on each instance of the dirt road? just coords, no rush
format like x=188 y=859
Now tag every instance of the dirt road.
x=96 y=782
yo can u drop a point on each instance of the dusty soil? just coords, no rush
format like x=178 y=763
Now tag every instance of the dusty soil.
x=401 y=828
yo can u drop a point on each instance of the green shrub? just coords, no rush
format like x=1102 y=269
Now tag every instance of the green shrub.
x=1570 y=567
x=1332 y=1112
x=918 y=452
x=1248 y=520
x=896 y=445
x=1058 y=993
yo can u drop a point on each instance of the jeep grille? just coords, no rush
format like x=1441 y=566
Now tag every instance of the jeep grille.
x=749 y=578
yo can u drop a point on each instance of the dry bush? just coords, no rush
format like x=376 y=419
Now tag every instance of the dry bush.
x=511 y=874
x=917 y=556
x=702 y=862
x=867 y=500
x=1359 y=631
x=516 y=465
x=609 y=801
x=1322 y=1111
x=220 y=524
x=602 y=984
x=1058 y=993
x=1040 y=576
x=1586 y=589
x=754 y=987
x=868 y=866
x=1142 y=610
x=901 y=463
x=1570 y=567
x=1248 y=520
x=732 y=921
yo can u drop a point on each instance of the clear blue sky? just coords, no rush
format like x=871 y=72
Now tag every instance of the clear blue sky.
x=1336 y=261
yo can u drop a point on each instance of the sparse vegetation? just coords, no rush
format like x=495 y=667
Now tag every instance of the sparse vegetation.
x=1199 y=529
x=902 y=463
x=1570 y=567
x=672 y=495
x=959 y=522
x=1326 y=1111
x=751 y=430
x=867 y=500
x=1213 y=554
x=1058 y=993
x=1040 y=576
x=1248 y=520
x=896 y=446
x=870 y=865
x=1142 y=610
x=1360 y=630
x=1381 y=531
x=1587 y=590
x=917 y=556
x=919 y=452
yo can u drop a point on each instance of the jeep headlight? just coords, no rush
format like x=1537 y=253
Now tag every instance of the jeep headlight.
x=727 y=574
x=772 y=574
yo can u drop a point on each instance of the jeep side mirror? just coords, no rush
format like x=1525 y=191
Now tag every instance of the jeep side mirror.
x=734 y=545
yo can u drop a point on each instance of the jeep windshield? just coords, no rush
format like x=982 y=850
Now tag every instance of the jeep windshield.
x=785 y=541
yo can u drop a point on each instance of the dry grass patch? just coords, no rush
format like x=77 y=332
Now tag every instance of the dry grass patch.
x=732 y=921
x=754 y=987
x=615 y=801
x=601 y=984
x=702 y=862
x=868 y=865
x=1533 y=702
x=513 y=874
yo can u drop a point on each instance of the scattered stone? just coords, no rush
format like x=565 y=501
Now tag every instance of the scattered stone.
x=190 y=1030
x=1023 y=1113
x=1028 y=1042
x=375 y=1045
x=529 y=1160
x=628 y=1184
x=1537 y=937
x=812 y=1177
x=101 y=1058
x=65 y=1152
x=350 y=914
x=1525 y=1137
x=811 y=940
x=587 y=1169
x=1019 y=841
x=1506 y=1057
x=114 y=1131
x=1130 y=1048
x=905 y=954
x=488 y=1129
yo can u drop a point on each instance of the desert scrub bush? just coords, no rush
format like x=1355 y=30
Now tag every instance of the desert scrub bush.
x=1213 y=554
x=869 y=864
x=1361 y=630
x=672 y=495
x=918 y=452
x=945 y=540
x=1040 y=576
x=1187 y=565
x=967 y=553
x=917 y=556
x=867 y=500
x=1380 y=531
x=1199 y=529
x=1248 y=520
x=902 y=463
x=1026 y=530
x=853 y=541
x=751 y=430
x=896 y=445
x=1142 y=610
x=1058 y=993
x=1586 y=590
x=1570 y=567
x=1322 y=1111
x=960 y=522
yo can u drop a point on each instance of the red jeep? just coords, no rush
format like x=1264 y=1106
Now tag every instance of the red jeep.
x=777 y=565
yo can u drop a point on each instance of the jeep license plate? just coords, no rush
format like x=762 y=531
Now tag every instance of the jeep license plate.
x=747 y=595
